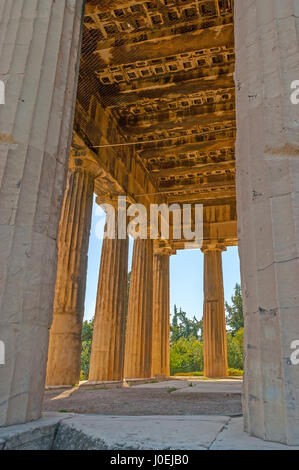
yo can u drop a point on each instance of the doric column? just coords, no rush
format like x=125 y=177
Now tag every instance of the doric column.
x=214 y=330
x=267 y=153
x=73 y=239
x=161 y=316
x=138 y=347
x=39 y=51
x=108 y=342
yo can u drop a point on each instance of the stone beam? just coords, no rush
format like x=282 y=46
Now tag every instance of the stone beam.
x=227 y=182
x=115 y=178
x=157 y=81
x=198 y=169
x=142 y=51
x=175 y=90
x=195 y=121
x=222 y=142
x=202 y=196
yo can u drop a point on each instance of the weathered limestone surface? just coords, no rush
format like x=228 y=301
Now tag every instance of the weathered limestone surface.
x=37 y=435
x=214 y=330
x=56 y=431
x=161 y=316
x=39 y=46
x=267 y=40
x=65 y=335
x=138 y=348
x=108 y=342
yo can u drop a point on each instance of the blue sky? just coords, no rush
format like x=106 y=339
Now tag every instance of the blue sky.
x=186 y=273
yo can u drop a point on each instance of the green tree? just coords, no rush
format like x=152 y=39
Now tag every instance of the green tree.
x=186 y=355
x=235 y=317
x=128 y=284
x=235 y=355
x=183 y=327
x=87 y=331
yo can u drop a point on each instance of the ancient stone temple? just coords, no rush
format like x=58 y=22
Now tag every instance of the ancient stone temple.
x=170 y=102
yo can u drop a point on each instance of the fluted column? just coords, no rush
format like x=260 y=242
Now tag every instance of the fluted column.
x=267 y=162
x=39 y=52
x=108 y=342
x=214 y=330
x=161 y=316
x=138 y=347
x=74 y=230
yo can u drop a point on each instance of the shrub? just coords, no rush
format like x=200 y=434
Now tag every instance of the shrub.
x=186 y=355
x=235 y=350
x=235 y=372
x=190 y=374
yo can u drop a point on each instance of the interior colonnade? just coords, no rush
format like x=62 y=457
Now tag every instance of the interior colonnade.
x=131 y=328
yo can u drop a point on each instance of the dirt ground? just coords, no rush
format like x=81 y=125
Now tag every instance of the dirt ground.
x=134 y=401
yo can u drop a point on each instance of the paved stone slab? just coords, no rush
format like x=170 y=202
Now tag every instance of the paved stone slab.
x=212 y=387
x=134 y=401
x=168 y=384
x=234 y=438
x=197 y=386
x=139 y=432
x=91 y=432
x=37 y=435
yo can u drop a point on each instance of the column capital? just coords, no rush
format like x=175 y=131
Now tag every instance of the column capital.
x=163 y=247
x=208 y=247
x=81 y=161
x=111 y=199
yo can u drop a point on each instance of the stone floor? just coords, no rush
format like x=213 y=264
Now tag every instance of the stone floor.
x=177 y=414
x=173 y=397
x=60 y=431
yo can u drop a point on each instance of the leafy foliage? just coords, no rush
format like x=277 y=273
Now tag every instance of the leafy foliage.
x=183 y=327
x=235 y=372
x=87 y=331
x=186 y=355
x=186 y=352
x=235 y=349
x=235 y=317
